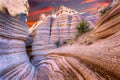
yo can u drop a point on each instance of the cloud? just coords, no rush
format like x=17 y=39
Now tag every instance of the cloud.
x=42 y=10
x=30 y=23
x=104 y=4
x=87 y=1
x=96 y=5
x=49 y=0
x=33 y=16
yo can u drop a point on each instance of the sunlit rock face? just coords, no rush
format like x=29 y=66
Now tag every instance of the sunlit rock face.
x=107 y=25
x=64 y=27
x=75 y=20
x=98 y=61
x=41 y=39
x=14 y=7
x=57 y=27
x=14 y=60
x=115 y=2
x=62 y=10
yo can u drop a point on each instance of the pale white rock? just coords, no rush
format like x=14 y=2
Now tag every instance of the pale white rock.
x=61 y=27
x=115 y=2
x=15 y=7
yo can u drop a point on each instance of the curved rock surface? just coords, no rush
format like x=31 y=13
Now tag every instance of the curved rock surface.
x=13 y=56
x=49 y=31
x=103 y=55
x=14 y=7
x=98 y=61
x=61 y=27
x=108 y=24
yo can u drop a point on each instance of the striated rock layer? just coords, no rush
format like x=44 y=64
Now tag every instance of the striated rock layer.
x=101 y=57
x=41 y=40
x=98 y=61
x=62 y=26
x=51 y=31
x=14 y=61
x=108 y=24
x=13 y=57
x=14 y=7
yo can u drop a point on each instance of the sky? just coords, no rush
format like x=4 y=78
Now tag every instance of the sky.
x=38 y=7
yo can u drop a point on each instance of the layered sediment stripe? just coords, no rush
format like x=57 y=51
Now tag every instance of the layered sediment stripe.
x=64 y=24
x=64 y=27
x=14 y=61
x=76 y=18
x=13 y=27
x=8 y=46
x=108 y=24
x=65 y=68
x=41 y=41
x=55 y=31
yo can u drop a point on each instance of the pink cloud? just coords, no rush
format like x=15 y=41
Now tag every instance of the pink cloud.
x=96 y=5
x=87 y=1
x=43 y=10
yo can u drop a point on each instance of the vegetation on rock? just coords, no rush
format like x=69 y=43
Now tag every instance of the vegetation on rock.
x=82 y=28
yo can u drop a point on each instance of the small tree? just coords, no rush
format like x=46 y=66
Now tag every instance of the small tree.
x=82 y=28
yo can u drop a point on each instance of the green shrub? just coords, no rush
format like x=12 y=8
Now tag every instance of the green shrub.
x=82 y=28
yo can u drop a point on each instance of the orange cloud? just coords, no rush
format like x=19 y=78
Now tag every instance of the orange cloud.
x=87 y=1
x=95 y=6
x=103 y=4
x=30 y=23
x=43 y=10
x=90 y=9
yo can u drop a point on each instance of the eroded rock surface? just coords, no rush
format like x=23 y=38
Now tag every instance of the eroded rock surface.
x=56 y=29
x=108 y=24
x=102 y=55
x=14 y=7
x=98 y=61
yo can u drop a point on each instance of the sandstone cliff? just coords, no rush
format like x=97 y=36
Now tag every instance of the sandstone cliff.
x=98 y=61
x=56 y=28
x=102 y=56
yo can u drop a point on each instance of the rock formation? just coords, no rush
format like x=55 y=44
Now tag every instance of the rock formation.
x=61 y=27
x=54 y=29
x=100 y=58
x=115 y=2
x=14 y=61
x=41 y=40
x=62 y=10
x=23 y=7
x=98 y=61
x=107 y=24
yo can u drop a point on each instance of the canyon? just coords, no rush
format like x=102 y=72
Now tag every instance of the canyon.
x=78 y=61
x=57 y=28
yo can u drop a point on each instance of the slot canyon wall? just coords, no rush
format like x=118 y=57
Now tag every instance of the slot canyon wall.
x=98 y=61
